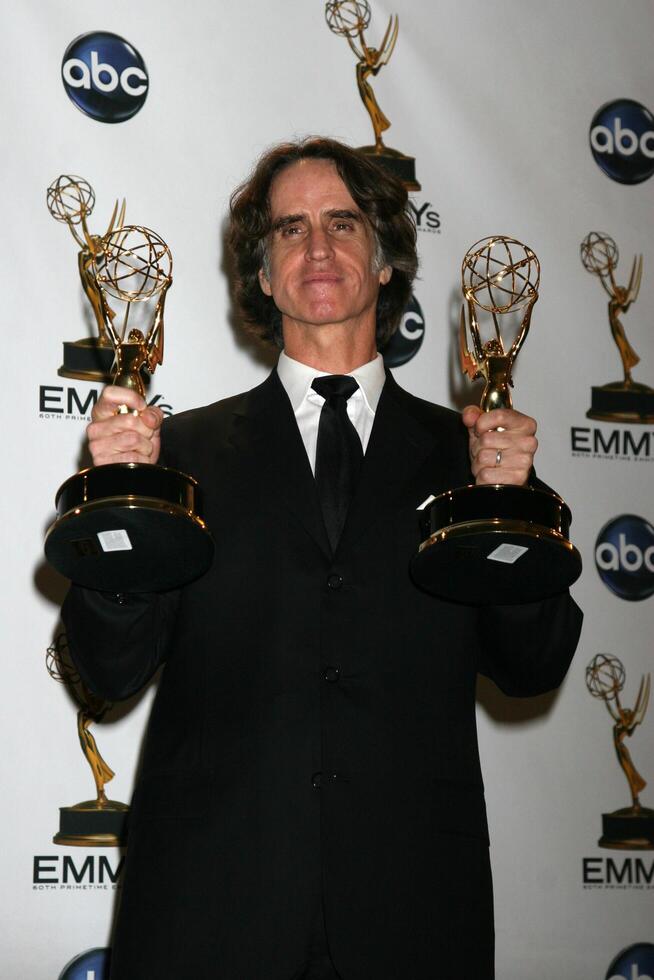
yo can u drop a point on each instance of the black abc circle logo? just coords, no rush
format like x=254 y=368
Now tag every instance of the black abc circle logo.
x=634 y=963
x=407 y=339
x=622 y=141
x=104 y=76
x=93 y=963
x=624 y=557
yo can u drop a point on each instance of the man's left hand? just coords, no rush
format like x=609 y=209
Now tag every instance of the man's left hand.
x=504 y=456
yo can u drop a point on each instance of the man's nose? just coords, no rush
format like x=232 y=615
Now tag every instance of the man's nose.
x=319 y=246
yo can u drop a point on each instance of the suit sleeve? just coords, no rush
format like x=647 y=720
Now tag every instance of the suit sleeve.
x=118 y=643
x=527 y=649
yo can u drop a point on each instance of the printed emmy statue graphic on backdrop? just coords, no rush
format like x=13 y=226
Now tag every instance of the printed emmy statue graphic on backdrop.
x=631 y=827
x=94 y=823
x=349 y=19
x=71 y=200
x=474 y=536
x=626 y=400
x=130 y=527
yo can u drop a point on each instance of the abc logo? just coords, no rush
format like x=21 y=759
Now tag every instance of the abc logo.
x=622 y=141
x=624 y=556
x=92 y=965
x=104 y=76
x=407 y=339
x=634 y=963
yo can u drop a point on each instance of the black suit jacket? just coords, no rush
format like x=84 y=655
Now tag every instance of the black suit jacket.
x=313 y=736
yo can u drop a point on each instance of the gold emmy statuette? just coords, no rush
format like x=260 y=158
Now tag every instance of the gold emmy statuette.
x=71 y=200
x=99 y=822
x=625 y=400
x=349 y=19
x=130 y=527
x=496 y=543
x=632 y=827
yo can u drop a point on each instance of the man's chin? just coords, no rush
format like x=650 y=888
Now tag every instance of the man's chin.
x=323 y=316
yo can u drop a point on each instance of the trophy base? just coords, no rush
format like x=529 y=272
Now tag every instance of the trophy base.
x=129 y=527
x=618 y=402
x=629 y=829
x=93 y=824
x=396 y=163
x=87 y=359
x=495 y=545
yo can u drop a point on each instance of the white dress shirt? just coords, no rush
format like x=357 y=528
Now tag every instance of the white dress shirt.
x=307 y=404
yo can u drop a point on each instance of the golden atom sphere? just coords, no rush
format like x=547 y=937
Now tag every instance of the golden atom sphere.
x=347 y=17
x=58 y=661
x=500 y=274
x=134 y=265
x=599 y=253
x=605 y=676
x=70 y=199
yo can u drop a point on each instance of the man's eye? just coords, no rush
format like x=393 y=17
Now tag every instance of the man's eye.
x=343 y=225
x=290 y=230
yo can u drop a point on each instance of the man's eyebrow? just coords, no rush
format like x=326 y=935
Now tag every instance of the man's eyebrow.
x=293 y=219
x=345 y=213
x=287 y=219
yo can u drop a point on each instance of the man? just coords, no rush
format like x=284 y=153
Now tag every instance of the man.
x=310 y=803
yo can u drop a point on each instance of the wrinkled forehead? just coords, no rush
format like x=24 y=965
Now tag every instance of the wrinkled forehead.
x=307 y=186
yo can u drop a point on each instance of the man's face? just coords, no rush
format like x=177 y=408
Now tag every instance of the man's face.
x=321 y=249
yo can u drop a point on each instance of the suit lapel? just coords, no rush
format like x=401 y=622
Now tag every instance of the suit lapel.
x=265 y=429
x=399 y=445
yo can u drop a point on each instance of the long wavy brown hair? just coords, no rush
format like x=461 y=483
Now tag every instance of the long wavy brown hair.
x=381 y=198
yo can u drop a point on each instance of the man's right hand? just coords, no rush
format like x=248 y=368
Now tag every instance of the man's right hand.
x=124 y=438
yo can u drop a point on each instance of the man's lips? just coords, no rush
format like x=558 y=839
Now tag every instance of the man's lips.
x=318 y=278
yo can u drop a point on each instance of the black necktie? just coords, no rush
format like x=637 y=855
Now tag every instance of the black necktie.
x=338 y=453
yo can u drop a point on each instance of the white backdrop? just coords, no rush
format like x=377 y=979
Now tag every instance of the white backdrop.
x=495 y=102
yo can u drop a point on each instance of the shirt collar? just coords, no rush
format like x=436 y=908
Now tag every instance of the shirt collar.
x=297 y=377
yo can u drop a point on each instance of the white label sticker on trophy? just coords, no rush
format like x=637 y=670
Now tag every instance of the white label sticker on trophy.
x=114 y=541
x=426 y=502
x=508 y=553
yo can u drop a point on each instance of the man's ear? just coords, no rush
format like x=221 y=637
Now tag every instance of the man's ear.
x=385 y=275
x=264 y=283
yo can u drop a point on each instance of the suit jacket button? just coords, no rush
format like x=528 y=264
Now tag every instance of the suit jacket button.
x=334 y=581
x=331 y=674
x=316 y=780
